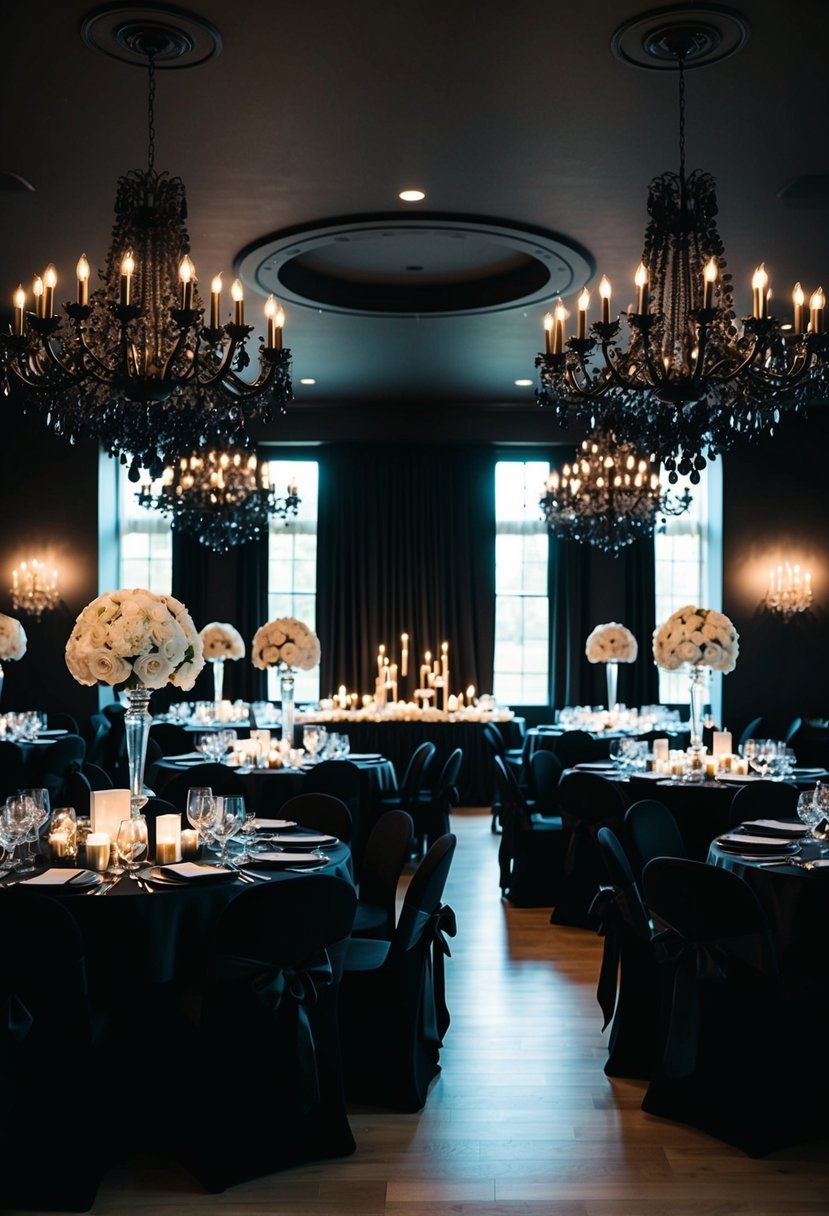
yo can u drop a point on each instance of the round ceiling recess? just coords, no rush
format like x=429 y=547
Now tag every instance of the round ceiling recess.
x=700 y=34
x=436 y=264
x=174 y=37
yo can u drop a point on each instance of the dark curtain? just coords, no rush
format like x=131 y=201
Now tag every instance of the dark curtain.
x=229 y=587
x=639 y=681
x=406 y=544
x=571 y=675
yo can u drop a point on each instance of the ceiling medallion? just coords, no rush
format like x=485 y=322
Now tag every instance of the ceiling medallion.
x=423 y=264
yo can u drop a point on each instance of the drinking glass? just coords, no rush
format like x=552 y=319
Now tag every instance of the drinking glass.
x=248 y=834
x=311 y=742
x=42 y=814
x=131 y=843
x=201 y=807
x=227 y=822
x=809 y=811
x=18 y=817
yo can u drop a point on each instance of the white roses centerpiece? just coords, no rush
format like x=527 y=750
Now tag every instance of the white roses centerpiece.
x=141 y=641
x=288 y=644
x=221 y=641
x=697 y=639
x=137 y=639
x=12 y=642
x=611 y=644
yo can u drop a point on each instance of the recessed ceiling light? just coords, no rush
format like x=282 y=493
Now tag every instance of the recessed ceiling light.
x=411 y=196
x=524 y=383
x=307 y=380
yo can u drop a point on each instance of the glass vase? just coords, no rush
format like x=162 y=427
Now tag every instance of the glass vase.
x=1 y=681
x=137 y=721
x=612 y=673
x=698 y=697
x=218 y=678
x=286 y=693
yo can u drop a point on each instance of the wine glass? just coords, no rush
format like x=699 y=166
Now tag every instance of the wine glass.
x=131 y=843
x=248 y=834
x=201 y=807
x=311 y=742
x=16 y=820
x=809 y=811
x=41 y=816
x=227 y=822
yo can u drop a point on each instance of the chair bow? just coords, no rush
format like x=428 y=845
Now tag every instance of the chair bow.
x=280 y=987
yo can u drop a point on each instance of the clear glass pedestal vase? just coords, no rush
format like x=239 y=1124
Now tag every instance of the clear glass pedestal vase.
x=286 y=693
x=612 y=674
x=1 y=681
x=695 y=766
x=218 y=666
x=137 y=721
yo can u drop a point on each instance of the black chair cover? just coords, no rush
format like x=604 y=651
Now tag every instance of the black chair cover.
x=220 y=778
x=531 y=851
x=588 y=802
x=270 y=996
x=325 y=812
x=651 y=831
x=393 y=1012
x=766 y=799
x=386 y=853
x=735 y=1032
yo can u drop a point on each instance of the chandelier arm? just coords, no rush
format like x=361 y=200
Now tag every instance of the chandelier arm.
x=657 y=376
x=190 y=374
x=234 y=386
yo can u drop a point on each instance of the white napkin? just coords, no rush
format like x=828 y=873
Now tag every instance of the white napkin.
x=52 y=878
x=745 y=838
x=306 y=841
x=272 y=825
x=820 y=863
x=288 y=859
x=191 y=869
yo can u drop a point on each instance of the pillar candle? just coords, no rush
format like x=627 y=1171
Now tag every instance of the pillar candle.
x=660 y=749
x=168 y=838
x=721 y=743
x=98 y=847
x=189 y=844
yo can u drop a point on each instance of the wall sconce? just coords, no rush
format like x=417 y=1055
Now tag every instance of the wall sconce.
x=790 y=590
x=34 y=589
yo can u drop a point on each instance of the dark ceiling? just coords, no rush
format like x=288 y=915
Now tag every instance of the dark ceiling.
x=517 y=116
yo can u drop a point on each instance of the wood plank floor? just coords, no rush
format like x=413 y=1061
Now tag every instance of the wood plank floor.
x=522 y=1121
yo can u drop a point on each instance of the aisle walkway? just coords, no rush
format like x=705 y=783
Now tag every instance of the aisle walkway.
x=522 y=1122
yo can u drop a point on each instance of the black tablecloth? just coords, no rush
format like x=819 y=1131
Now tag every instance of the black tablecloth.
x=796 y=902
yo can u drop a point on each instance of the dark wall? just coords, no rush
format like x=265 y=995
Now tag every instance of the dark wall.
x=49 y=494
x=776 y=509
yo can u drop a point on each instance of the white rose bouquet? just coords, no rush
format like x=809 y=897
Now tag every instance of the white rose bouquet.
x=137 y=639
x=12 y=639
x=696 y=637
x=285 y=642
x=222 y=641
x=611 y=643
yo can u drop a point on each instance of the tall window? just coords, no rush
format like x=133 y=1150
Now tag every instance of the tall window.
x=292 y=564
x=688 y=570
x=522 y=652
x=145 y=548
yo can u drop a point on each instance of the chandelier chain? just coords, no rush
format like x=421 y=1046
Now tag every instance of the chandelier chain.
x=151 y=111
x=681 y=64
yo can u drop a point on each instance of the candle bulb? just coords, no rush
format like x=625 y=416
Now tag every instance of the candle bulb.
x=50 y=282
x=215 y=301
x=605 y=292
x=709 y=278
x=798 y=300
x=817 y=303
x=584 y=304
x=404 y=654
x=127 y=271
x=19 y=302
x=187 y=275
x=641 y=280
x=759 y=284
x=270 y=313
x=37 y=292
x=82 y=275
x=238 y=295
x=559 y=332
x=279 y=325
x=548 y=333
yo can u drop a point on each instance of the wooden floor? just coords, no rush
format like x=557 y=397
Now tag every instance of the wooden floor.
x=522 y=1121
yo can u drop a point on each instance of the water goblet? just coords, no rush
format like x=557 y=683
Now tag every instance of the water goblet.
x=809 y=812
x=16 y=820
x=248 y=834
x=42 y=815
x=131 y=843
x=201 y=807
x=311 y=742
x=227 y=822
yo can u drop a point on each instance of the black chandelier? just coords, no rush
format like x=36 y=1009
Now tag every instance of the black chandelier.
x=136 y=363
x=608 y=497
x=690 y=380
x=220 y=498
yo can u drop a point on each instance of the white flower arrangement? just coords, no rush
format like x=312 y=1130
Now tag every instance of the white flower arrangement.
x=696 y=637
x=12 y=639
x=611 y=643
x=135 y=638
x=285 y=642
x=222 y=641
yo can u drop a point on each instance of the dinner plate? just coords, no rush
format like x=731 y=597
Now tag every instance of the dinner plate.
x=273 y=825
x=775 y=828
x=303 y=842
x=287 y=860
x=756 y=846
x=364 y=756
x=810 y=772
x=587 y=766
x=81 y=882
